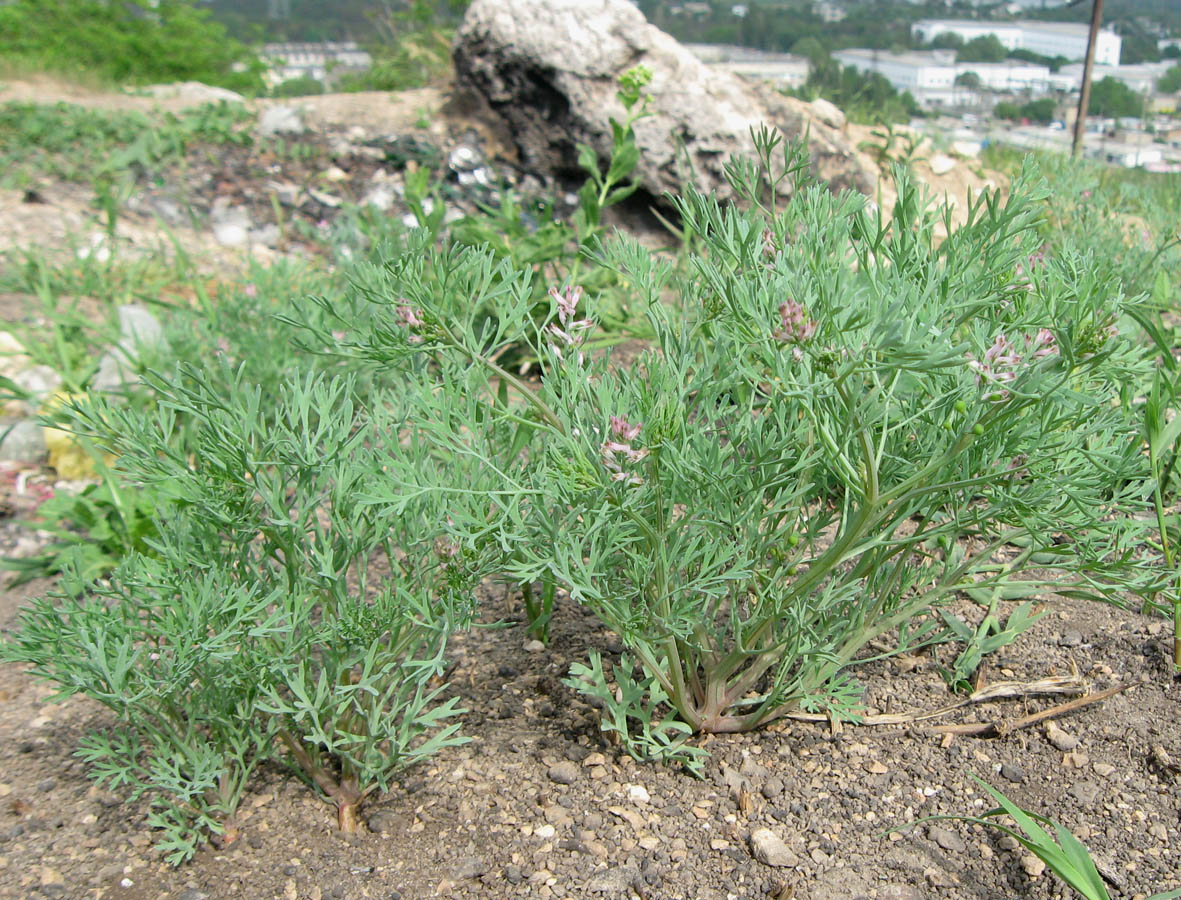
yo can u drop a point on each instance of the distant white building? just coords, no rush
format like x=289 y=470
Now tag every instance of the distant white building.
x=784 y=69
x=1131 y=155
x=829 y=12
x=287 y=61
x=1067 y=39
x=1141 y=77
x=1011 y=77
x=930 y=75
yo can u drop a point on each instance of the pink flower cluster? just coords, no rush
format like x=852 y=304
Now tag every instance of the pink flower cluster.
x=770 y=248
x=618 y=451
x=412 y=319
x=1002 y=361
x=794 y=326
x=568 y=333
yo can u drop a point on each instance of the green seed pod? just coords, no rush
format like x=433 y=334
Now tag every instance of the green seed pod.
x=977 y=428
x=792 y=570
x=793 y=540
x=961 y=407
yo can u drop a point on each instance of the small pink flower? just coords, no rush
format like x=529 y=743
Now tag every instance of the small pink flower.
x=1045 y=344
x=624 y=430
x=567 y=303
x=571 y=333
x=769 y=243
x=795 y=327
x=1000 y=365
x=614 y=453
x=250 y=291
x=410 y=317
x=1001 y=353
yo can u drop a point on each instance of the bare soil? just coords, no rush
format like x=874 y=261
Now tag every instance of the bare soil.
x=497 y=818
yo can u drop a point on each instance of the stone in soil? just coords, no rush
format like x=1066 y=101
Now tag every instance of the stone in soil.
x=1013 y=772
x=946 y=838
x=769 y=849
x=468 y=867
x=615 y=880
x=563 y=773
x=384 y=821
x=1060 y=739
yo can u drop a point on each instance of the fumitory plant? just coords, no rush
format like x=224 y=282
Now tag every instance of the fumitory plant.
x=284 y=616
x=842 y=424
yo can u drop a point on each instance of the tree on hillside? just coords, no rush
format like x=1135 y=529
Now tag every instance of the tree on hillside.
x=987 y=48
x=810 y=48
x=1040 y=111
x=130 y=41
x=949 y=40
x=1111 y=97
x=1170 y=82
x=969 y=80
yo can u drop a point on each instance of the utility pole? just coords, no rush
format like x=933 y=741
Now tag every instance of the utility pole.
x=1084 y=99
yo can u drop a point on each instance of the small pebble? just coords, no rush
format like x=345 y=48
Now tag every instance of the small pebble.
x=1060 y=739
x=637 y=793
x=1033 y=866
x=772 y=788
x=563 y=773
x=769 y=849
x=946 y=838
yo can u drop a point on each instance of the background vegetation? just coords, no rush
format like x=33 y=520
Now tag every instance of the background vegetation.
x=128 y=41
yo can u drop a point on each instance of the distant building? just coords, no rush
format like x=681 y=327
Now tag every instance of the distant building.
x=318 y=61
x=1044 y=38
x=1140 y=78
x=1131 y=155
x=930 y=75
x=1010 y=77
x=783 y=69
x=828 y=11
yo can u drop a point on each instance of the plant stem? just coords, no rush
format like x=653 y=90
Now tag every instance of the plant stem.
x=523 y=389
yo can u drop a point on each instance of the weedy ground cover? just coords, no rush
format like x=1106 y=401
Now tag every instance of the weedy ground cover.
x=838 y=427
x=79 y=144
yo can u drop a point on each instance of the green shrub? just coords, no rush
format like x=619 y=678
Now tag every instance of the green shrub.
x=837 y=429
x=281 y=616
x=129 y=41
x=303 y=86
